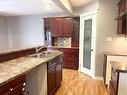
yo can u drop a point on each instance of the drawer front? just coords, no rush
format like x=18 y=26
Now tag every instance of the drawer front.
x=7 y=88
x=112 y=91
x=69 y=51
x=114 y=79
x=54 y=61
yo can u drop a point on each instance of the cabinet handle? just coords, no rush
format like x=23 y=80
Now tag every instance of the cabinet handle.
x=11 y=89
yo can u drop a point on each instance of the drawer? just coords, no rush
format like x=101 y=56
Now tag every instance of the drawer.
x=69 y=51
x=114 y=73
x=54 y=61
x=12 y=84
x=114 y=79
x=112 y=91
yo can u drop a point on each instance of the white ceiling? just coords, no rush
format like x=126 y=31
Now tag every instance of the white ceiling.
x=79 y=3
x=28 y=7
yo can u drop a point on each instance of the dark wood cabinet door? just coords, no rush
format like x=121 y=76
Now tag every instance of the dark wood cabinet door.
x=66 y=26
x=121 y=26
x=58 y=75
x=70 y=58
x=75 y=32
x=51 y=80
x=54 y=75
x=55 y=26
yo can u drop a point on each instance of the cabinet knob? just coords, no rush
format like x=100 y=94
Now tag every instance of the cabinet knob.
x=11 y=89
x=23 y=89
x=24 y=84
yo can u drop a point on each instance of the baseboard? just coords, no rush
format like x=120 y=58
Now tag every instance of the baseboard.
x=99 y=78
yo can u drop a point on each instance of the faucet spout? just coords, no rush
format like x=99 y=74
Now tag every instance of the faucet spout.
x=38 y=49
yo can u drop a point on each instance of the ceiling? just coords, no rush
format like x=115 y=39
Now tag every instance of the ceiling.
x=28 y=7
x=79 y=3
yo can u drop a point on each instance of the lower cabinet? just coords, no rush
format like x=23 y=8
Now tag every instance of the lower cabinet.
x=118 y=82
x=114 y=82
x=70 y=58
x=54 y=75
x=15 y=87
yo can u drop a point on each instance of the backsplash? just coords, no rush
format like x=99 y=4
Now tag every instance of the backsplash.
x=62 y=41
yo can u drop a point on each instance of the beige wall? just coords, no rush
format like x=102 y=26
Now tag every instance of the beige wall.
x=91 y=7
x=107 y=27
x=3 y=34
x=25 y=31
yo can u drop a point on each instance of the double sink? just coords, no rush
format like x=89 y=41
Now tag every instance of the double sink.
x=44 y=54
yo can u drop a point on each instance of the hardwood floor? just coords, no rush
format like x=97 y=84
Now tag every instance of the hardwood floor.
x=77 y=83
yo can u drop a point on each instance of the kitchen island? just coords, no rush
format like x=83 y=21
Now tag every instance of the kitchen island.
x=34 y=69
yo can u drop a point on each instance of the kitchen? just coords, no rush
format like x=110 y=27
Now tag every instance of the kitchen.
x=23 y=29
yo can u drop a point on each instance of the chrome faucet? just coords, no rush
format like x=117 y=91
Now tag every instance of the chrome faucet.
x=38 y=49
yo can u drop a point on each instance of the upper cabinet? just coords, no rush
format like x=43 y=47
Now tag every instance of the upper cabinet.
x=75 y=32
x=122 y=11
x=55 y=26
x=61 y=26
x=66 y=27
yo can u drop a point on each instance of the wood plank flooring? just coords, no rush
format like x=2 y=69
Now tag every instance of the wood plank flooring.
x=77 y=83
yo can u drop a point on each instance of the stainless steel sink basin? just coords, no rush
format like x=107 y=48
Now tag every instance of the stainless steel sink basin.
x=42 y=54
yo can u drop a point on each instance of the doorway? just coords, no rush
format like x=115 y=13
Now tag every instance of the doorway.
x=87 y=44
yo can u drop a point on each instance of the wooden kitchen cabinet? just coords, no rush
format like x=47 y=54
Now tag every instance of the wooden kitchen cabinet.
x=121 y=27
x=61 y=26
x=118 y=82
x=14 y=87
x=75 y=33
x=55 y=26
x=54 y=75
x=66 y=27
x=108 y=57
x=70 y=58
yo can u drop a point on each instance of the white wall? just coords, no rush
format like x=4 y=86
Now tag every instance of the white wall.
x=91 y=7
x=3 y=34
x=107 y=27
x=25 y=31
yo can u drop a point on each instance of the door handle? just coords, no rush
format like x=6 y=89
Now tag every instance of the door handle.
x=91 y=50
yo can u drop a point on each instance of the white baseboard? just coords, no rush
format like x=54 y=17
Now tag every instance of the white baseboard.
x=99 y=78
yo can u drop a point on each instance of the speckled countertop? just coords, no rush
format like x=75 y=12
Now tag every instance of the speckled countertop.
x=116 y=53
x=119 y=66
x=10 y=70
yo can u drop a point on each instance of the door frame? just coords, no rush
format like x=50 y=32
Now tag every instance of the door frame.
x=93 y=16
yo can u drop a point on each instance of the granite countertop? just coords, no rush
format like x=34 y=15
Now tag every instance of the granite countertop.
x=116 y=53
x=10 y=70
x=119 y=66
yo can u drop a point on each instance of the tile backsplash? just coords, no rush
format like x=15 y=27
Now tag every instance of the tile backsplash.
x=62 y=41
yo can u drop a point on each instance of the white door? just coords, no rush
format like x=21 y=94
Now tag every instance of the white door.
x=87 y=44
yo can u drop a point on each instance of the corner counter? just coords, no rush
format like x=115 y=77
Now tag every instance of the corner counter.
x=118 y=82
